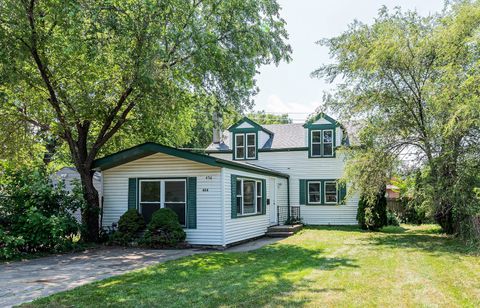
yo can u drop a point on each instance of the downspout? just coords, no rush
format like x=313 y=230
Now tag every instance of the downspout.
x=288 y=199
x=222 y=201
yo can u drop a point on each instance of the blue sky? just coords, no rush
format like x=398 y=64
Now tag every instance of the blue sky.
x=289 y=88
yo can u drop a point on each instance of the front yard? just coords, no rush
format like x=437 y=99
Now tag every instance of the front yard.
x=325 y=266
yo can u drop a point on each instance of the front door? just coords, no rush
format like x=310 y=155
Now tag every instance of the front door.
x=273 y=202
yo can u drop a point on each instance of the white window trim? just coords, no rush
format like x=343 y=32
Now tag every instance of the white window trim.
x=254 y=145
x=312 y=143
x=319 y=193
x=162 y=194
x=322 y=141
x=325 y=192
x=241 y=146
x=255 y=197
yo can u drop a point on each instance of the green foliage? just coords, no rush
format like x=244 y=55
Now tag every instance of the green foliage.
x=164 y=230
x=129 y=225
x=35 y=216
x=392 y=219
x=263 y=118
x=372 y=215
x=411 y=83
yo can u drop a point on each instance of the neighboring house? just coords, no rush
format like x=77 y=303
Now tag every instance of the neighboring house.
x=236 y=191
x=392 y=192
x=69 y=175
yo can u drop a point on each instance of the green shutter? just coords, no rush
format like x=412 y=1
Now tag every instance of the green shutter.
x=342 y=192
x=233 y=188
x=303 y=191
x=264 y=197
x=132 y=193
x=192 y=203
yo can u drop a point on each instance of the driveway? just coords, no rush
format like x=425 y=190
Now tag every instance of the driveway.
x=25 y=281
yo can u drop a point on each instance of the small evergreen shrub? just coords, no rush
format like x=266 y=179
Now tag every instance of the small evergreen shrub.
x=392 y=219
x=129 y=224
x=372 y=215
x=164 y=230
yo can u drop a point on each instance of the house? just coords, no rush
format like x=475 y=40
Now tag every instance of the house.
x=252 y=177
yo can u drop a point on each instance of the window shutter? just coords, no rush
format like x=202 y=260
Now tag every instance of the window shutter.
x=342 y=192
x=264 y=197
x=303 y=191
x=132 y=193
x=192 y=203
x=233 y=188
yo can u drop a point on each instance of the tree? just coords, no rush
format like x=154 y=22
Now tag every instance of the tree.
x=87 y=71
x=412 y=82
x=264 y=118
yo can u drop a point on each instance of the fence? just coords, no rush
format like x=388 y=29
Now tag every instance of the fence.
x=282 y=215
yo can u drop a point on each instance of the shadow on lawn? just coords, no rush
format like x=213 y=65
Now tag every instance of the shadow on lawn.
x=265 y=276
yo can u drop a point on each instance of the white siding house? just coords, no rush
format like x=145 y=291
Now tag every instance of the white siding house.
x=255 y=177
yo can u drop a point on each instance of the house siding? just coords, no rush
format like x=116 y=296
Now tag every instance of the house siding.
x=209 y=220
x=243 y=228
x=299 y=166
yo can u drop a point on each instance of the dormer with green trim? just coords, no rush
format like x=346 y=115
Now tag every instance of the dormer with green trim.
x=247 y=137
x=321 y=136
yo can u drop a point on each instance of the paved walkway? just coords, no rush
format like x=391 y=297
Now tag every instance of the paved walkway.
x=24 y=281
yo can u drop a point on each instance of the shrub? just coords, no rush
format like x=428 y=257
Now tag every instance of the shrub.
x=129 y=224
x=164 y=230
x=35 y=216
x=392 y=219
x=372 y=215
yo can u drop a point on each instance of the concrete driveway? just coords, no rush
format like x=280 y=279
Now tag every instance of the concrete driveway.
x=25 y=281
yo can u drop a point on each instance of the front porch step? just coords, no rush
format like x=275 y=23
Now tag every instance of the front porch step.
x=283 y=231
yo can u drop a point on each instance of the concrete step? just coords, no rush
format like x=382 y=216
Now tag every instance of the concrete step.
x=285 y=228
x=279 y=234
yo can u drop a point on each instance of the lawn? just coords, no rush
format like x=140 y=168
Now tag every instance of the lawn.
x=324 y=266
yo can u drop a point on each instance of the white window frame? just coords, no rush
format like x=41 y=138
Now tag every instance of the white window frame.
x=249 y=146
x=162 y=194
x=325 y=192
x=322 y=139
x=319 y=192
x=312 y=143
x=242 y=146
x=255 y=197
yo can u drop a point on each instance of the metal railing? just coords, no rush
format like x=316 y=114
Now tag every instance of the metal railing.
x=284 y=219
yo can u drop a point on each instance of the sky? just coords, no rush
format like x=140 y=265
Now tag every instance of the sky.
x=288 y=88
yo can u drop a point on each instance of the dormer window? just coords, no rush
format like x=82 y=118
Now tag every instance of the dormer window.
x=245 y=146
x=321 y=143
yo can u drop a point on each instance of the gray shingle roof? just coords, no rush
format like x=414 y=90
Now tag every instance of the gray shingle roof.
x=284 y=136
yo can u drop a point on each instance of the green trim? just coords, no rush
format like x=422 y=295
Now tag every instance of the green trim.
x=150 y=148
x=302 y=192
x=191 y=203
x=132 y=193
x=319 y=116
x=288 y=200
x=321 y=128
x=264 y=150
x=233 y=189
x=322 y=192
x=255 y=125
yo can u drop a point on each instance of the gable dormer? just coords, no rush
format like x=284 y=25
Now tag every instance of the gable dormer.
x=246 y=138
x=321 y=136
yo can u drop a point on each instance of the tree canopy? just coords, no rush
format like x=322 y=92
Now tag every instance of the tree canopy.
x=412 y=83
x=91 y=73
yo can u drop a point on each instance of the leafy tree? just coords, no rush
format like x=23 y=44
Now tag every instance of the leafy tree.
x=263 y=118
x=412 y=82
x=87 y=71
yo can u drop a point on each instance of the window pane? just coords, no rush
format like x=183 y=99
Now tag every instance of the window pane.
x=251 y=152
x=239 y=205
x=316 y=136
x=240 y=152
x=251 y=139
x=327 y=149
x=240 y=141
x=327 y=136
x=148 y=209
x=315 y=149
x=259 y=188
x=331 y=198
x=174 y=191
x=248 y=197
x=314 y=192
x=150 y=191
x=179 y=209
x=331 y=187
x=239 y=187
x=259 y=204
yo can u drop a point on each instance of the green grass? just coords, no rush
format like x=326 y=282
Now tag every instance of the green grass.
x=324 y=266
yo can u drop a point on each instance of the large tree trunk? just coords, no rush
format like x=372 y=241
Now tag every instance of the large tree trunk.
x=90 y=213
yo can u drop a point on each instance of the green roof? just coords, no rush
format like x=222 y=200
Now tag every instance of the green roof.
x=150 y=148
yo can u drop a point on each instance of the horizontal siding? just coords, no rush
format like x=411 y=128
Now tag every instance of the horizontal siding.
x=243 y=228
x=299 y=166
x=209 y=222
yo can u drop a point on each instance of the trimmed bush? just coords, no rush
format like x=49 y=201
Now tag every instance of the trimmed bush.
x=164 y=230
x=129 y=225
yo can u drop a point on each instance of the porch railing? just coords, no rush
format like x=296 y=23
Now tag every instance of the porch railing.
x=282 y=215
